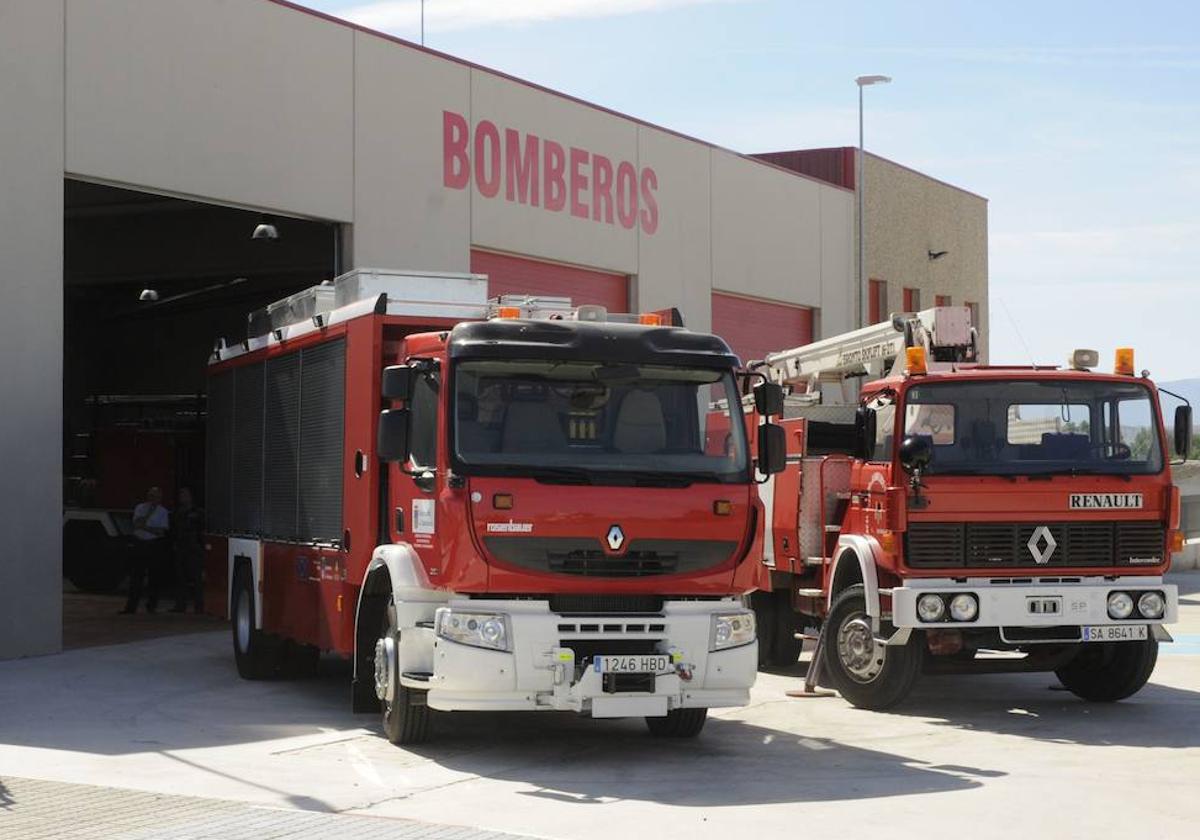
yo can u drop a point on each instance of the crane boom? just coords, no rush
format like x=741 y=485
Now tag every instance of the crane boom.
x=945 y=332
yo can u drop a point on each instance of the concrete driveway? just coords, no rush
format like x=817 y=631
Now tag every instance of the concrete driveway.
x=994 y=756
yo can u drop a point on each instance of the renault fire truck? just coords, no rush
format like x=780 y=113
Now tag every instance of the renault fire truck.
x=959 y=517
x=486 y=505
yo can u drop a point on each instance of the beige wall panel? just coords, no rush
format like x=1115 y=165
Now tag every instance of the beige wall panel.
x=535 y=231
x=837 y=263
x=31 y=325
x=404 y=217
x=240 y=101
x=766 y=225
x=674 y=265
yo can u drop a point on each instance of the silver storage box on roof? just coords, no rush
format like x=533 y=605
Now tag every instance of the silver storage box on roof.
x=412 y=288
x=301 y=306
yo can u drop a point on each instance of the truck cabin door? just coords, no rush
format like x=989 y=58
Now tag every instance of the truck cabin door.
x=416 y=487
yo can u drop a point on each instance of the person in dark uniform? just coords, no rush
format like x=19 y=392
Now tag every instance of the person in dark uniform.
x=151 y=522
x=188 y=536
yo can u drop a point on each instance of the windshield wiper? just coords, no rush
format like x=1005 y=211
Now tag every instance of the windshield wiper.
x=548 y=475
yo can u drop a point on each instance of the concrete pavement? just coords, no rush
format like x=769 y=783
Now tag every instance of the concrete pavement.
x=997 y=756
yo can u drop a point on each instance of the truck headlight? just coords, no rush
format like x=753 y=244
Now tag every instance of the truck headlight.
x=478 y=629
x=1120 y=605
x=964 y=607
x=731 y=630
x=931 y=607
x=1151 y=604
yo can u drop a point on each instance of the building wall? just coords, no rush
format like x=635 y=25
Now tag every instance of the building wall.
x=31 y=324
x=910 y=214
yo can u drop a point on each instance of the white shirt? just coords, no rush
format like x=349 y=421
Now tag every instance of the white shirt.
x=158 y=519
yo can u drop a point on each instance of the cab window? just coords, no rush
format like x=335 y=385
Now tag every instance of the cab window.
x=424 y=408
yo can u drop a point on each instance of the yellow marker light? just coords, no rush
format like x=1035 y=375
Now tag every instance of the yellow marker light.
x=722 y=507
x=914 y=360
x=565 y=655
x=650 y=319
x=1176 y=542
x=1124 y=363
x=887 y=541
x=502 y=501
x=509 y=312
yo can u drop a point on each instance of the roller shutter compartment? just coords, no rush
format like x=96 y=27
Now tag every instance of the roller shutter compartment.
x=322 y=440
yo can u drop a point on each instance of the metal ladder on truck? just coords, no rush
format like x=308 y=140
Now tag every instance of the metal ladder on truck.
x=816 y=375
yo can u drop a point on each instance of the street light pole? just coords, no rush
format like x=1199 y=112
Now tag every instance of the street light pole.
x=860 y=296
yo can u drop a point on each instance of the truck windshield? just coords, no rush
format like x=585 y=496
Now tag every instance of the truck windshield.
x=1028 y=427
x=592 y=422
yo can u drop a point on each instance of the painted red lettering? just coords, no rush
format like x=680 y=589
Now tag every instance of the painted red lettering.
x=650 y=210
x=555 y=197
x=487 y=158
x=602 y=182
x=627 y=195
x=579 y=182
x=521 y=169
x=456 y=166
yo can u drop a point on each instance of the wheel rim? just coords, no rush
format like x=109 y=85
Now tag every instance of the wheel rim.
x=385 y=661
x=243 y=624
x=860 y=655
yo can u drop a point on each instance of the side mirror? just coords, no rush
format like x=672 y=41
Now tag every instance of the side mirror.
x=768 y=399
x=398 y=382
x=392 y=442
x=1183 y=431
x=772 y=449
x=916 y=451
x=864 y=433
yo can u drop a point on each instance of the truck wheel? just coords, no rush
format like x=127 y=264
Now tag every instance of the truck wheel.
x=1104 y=672
x=404 y=711
x=868 y=674
x=679 y=723
x=785 y=647
x=253 y=651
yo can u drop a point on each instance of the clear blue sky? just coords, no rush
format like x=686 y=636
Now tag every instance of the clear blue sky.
x=1080 y=121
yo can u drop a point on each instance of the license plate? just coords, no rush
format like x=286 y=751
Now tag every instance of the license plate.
x=637 y=664
x=1116 y=633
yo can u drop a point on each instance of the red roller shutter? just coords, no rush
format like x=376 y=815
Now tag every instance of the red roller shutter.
x=755 y=327
x=509 y=275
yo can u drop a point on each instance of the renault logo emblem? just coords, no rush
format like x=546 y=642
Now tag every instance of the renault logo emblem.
x=615 y=538
x=1041 y=545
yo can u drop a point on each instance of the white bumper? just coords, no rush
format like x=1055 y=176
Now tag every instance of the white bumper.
x=539 y=673
x=1025 y=604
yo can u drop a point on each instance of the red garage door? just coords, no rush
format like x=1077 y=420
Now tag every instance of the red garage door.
x=509 y=275
x=755 y=327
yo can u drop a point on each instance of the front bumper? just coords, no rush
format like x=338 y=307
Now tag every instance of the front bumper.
x=1027 y=604
x=547 y=667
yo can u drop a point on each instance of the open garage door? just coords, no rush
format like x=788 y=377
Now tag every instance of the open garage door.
x=753 y=327
x=509 y=274
x=151 y=281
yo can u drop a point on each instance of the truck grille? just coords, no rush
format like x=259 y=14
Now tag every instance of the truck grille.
x=587 y=557
x=1006 y=544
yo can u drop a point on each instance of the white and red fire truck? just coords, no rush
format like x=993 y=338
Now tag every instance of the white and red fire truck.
x=954 y=517
x=507 y=505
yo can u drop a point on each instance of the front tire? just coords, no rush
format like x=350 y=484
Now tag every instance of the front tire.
x=253 y=651
x=404 y=712
x=868 y=674
x=1104 y=672
x=679 y=723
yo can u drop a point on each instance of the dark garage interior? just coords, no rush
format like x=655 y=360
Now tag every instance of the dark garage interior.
x=151 y=282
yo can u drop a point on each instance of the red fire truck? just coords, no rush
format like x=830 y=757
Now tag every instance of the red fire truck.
x=959 y=517
x=507 y=505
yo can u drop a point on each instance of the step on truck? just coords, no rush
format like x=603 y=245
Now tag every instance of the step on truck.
x=486 y=505
x=956 y=517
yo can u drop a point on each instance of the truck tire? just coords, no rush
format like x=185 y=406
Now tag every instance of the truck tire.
x=404 y=713
x=253 y=650
x=867 y=674
x=679 y=723
x=1104 y=672
x=785 y=647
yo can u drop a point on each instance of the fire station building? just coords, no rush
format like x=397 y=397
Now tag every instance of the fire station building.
x=167 y=166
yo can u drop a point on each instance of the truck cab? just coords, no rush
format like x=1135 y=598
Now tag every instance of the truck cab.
x=571 y=524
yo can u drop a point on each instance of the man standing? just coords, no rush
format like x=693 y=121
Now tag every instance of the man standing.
x=150 y=523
